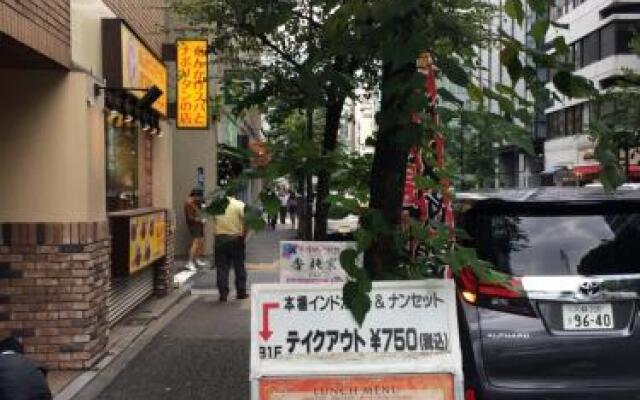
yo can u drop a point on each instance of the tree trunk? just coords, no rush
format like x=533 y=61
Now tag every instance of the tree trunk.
x=308 y=200
x=389 y=165
x=329 y=143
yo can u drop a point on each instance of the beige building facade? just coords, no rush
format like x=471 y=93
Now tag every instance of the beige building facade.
x=70 y=175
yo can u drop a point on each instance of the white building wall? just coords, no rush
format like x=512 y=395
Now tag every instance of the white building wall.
x=581 y=21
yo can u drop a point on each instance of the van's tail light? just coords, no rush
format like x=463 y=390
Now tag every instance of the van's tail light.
x=473 y=290
x=508 y=297
x=470 y=394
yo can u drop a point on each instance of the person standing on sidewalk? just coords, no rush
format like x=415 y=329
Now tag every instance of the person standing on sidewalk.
x=231 y=232
x=292 y=207
x=195 y=223
x=283 y=196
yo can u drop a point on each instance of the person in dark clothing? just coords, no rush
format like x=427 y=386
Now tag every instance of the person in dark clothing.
x=292 y=207
x=20 y=378
x=231 y=233
x=195 y=224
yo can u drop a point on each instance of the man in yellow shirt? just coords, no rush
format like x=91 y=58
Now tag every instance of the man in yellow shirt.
x=230 y=233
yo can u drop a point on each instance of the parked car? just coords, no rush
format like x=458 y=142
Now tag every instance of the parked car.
x=342 y=229
x=569 y=326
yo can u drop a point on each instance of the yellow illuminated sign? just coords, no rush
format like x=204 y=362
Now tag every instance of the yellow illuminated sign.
x=192 y=84
x=146 y=240
x=141 y=69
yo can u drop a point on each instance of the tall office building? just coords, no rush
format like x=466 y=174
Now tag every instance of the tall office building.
x=598 y=33
x=514 y=167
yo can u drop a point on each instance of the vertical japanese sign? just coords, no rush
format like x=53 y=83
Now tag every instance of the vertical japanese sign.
x=312 y=262
x=192 y=84
x=304 y=333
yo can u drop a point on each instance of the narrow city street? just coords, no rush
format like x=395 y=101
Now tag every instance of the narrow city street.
x=202 y=353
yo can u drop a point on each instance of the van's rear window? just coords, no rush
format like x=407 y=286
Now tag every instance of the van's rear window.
x=561 y=245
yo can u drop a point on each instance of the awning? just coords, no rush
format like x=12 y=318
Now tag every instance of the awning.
x=594 y=169
x=586 y=169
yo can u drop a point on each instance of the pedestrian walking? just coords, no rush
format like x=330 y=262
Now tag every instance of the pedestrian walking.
x=283 y=196
x=195 y=223
x=292 y=207
x=271 y=219
x=231 y=232
x=20 y=378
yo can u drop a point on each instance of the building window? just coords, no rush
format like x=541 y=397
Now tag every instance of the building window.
x=577 y=55
x=612 y=39
x=586 y=111
x=624 y=34
x=608 y=40
x=571 y=129
x=577 y=120
x=122 y=167
x=591 y=48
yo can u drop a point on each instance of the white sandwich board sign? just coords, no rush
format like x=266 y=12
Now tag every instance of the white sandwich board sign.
x=305 y=345
x=312 y=262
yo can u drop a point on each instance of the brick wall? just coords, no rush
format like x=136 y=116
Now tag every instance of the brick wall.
x=41 y=25
x=146 y=17
x=53 y=290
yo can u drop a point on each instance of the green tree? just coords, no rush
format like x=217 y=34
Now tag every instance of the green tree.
x=317 y=52
x=615 y=129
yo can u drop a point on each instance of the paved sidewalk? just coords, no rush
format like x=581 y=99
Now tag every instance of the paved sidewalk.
x=261 y=262
x=202 y=353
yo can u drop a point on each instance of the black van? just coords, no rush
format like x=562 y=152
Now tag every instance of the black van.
x=572 y=328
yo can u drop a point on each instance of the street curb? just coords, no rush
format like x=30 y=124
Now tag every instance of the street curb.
x=87 y=377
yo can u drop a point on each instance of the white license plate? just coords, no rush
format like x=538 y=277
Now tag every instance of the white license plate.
x=587 y=317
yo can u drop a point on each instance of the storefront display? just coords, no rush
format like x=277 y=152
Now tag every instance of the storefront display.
x=135 y=101
x=122 y=167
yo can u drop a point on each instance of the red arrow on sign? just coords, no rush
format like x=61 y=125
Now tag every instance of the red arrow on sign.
x=265 y=333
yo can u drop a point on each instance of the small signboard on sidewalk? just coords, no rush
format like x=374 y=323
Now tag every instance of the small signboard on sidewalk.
x=312 y=262
x=305 y=342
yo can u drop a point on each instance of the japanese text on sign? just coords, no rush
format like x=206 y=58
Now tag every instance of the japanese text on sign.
x=300 y=322
x=192 y=84
x=312 y=262
x=302 y=330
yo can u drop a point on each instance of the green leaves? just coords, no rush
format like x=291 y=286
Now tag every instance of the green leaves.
x=356 y=290
x=560 y=45
x=509 y=57
x=348 y=259
x=217 y=206
x=539 y=30
x=270 y=202
x=475 y=93
x=356 y=300
x=514 y=10
x=573 y=85
x=453 y=71
x=539 y=6
x=253 y=219
x=447 y=96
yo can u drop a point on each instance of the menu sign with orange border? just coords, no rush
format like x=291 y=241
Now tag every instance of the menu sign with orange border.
x=192 y=84
x=382 y=387
x=304 y=338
